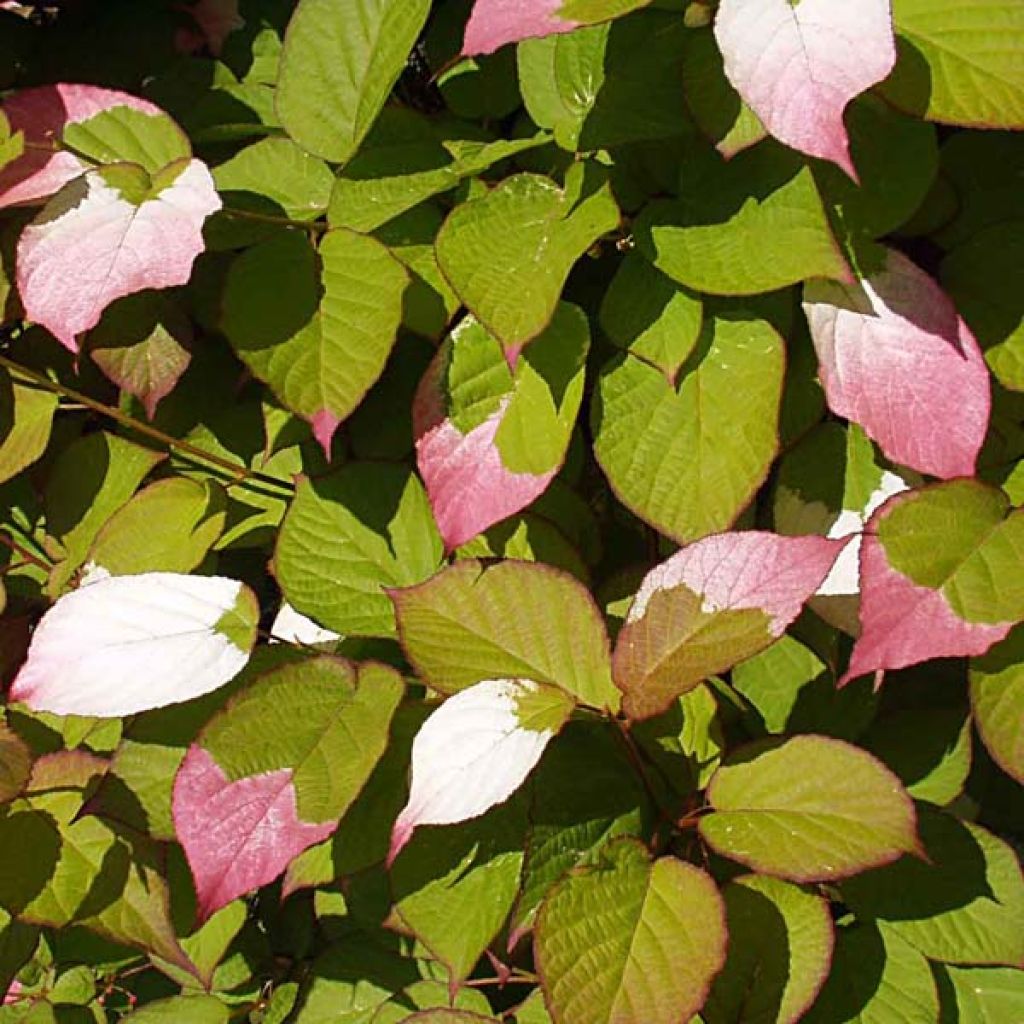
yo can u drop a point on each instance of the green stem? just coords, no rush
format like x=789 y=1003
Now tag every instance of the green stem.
x=239 y=473
x=269 y=218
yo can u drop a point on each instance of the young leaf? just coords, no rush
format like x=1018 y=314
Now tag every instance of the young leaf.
x=338 y=66
x=663 y=920
x=942 y=575
x=730 y=213
x=809 y=809
x=42 y=114
x=489 y=440
x=780 y=952
x=688 y=458
x=997 y=696
x=488 y=248
x=895 y=328
x=272 y=773
x=102 y=237
x=961 y=905
x=476 y=750
x=798 y=65
x=711 y=605
x=122 y=644
x=316 y=325
x=513 y=620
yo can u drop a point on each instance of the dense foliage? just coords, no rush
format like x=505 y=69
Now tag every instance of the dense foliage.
x=508 y=511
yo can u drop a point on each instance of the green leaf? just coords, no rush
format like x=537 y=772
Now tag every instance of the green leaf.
x=142 y=345
x=91 y=479
x=445 y=1016
x=585 y=792
x=470 y=1005
x=876 y=978
x=688 y=459
x=532 y=1010
x=960 y=63
x=315 y=325
x=608 y=929
x=963 y=905
x=650 y=316
x=168 y=526
x=87 y=872
x=15 y=764
x=270 y=178
x=350 y=980
x=729 y=214
x=125 y=135
x=454 y=885
x=408 y=158
x=516 y=620
x=897 y=158
x=350 y=534
x=193 y=1009
x=810 y=808
x=963 y=539
x=588 y=87
x=26 y=419
x=780 y=951
x=338 y=67
x=985 y=277
x=981 y=995
x=928 y=748
x=721 y=115
x=527 y=538
x=315 y=717
x=488 y=247
x=17 y=943
x=997 y=697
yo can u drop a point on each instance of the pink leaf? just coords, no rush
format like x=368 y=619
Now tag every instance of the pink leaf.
x=798 y=65
x=494 y=23
x=903 y=623
x=752 y=569
x=13 y=994
x=896 y=358
x=237 y=835
x=42 y=113
x=91 y=245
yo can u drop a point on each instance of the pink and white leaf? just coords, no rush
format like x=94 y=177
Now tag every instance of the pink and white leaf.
x=42 y=114
x=472 y=753
x=90 y=246
x=844 y=577
x=237 y=835
x=123 y=644
x=896 y=358
x=493 y=23
x=903 y=623
x=745 y=570
x=797 y=66
x=468 y=485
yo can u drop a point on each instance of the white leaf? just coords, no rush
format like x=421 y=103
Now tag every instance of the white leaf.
x=476 y=750
x=122 y=644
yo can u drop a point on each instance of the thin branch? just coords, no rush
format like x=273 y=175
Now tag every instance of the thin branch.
x=239 y=473
x=27 y=555
x=269 y=218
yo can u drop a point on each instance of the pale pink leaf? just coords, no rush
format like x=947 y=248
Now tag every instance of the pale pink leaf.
x=237 y=835
x=476 y=750
x=42 y=114
x=896 y=358
x=13 y=993
x=903 y=623
x=494 y=23
x=122 y=644
x=91 y=245
x=797 y=66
